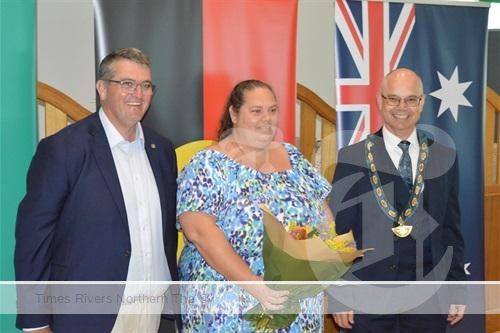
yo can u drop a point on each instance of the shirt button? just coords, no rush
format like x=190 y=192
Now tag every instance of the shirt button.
x=393 y=267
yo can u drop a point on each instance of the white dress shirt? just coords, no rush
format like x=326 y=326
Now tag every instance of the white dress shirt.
x=391 y=142
x=142 y=203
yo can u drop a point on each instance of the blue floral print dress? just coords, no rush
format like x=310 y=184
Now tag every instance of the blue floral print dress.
x=215 y=184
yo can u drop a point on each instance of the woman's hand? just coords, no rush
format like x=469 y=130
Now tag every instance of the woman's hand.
x=212 y=244
x=270 y=299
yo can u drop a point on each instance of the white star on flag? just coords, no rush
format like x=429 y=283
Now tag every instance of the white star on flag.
x=451 y=94
x=466 y=268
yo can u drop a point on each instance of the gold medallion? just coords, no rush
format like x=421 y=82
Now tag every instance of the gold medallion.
x=402 y=230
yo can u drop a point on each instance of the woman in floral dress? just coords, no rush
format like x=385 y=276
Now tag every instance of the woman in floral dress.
x=219 y=194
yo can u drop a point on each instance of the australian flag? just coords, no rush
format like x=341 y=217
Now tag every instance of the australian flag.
x=445 y=45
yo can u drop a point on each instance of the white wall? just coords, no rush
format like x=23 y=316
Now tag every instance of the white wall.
x=65 y=37
x=494 y=17
x=315 y=45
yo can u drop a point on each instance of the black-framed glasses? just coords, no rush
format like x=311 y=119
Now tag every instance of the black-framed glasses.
x=129 y=86
x=411 y=101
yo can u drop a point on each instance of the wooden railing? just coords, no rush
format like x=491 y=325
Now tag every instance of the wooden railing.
x=492 y=135
x=492 y=248
x=492 y=207
x=315 y=110
x=59 y=109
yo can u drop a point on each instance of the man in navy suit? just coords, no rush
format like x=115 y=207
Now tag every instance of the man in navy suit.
x=100 y=206
x=397 y=191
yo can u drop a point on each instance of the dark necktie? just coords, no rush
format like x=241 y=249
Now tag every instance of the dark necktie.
x=404 y=166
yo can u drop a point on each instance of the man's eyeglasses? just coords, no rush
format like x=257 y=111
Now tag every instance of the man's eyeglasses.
x=129 y=86
x=411 y=101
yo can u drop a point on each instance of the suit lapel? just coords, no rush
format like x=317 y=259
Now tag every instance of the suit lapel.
x=152 y=150
x=106 y=164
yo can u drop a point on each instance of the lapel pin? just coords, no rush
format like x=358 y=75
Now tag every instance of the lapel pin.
x=153 y=146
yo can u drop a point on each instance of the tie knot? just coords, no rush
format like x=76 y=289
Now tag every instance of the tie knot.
x=404 y=145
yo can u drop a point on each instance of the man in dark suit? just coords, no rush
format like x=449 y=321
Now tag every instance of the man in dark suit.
x=100 y=206
x=397 y=191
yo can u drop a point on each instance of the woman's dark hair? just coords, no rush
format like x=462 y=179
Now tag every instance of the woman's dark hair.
x=236 y=101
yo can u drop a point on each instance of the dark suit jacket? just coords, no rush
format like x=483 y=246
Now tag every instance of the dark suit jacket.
x=72 y=223
x=436 y=224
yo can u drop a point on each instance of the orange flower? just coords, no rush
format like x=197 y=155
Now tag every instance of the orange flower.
x=299 y=233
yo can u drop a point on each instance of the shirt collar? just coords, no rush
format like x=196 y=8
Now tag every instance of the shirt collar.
x=114 y=137
x=392 y=140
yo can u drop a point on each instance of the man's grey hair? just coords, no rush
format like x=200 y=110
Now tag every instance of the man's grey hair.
x=106 y=70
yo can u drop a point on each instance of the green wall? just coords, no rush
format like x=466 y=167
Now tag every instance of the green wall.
x=17 y=124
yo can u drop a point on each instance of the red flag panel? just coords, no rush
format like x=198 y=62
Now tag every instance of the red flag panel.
x=244 y=40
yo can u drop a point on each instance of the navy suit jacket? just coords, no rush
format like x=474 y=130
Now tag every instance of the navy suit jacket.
x=72 y=223
x=436 y=224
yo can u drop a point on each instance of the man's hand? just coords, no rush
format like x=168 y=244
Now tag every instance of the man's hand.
x=456 y=313
x=344 y=319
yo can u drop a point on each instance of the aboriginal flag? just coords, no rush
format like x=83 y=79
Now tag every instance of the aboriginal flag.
x=199 y=50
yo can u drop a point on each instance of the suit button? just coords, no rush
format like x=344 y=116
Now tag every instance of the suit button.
x=393 y=267
x=126 y=253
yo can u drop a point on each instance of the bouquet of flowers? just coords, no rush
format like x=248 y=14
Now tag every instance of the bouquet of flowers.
x=300 y=254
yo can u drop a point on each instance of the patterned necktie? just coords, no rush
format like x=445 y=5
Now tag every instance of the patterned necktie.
x=404 y=166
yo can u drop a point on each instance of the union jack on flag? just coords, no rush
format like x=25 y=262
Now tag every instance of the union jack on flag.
x=371 y=36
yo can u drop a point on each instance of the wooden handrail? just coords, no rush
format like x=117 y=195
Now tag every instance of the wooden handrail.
x=317 y=103
x=493 y=99
x=491 y=190
x=491 y=128
x=50 y=95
